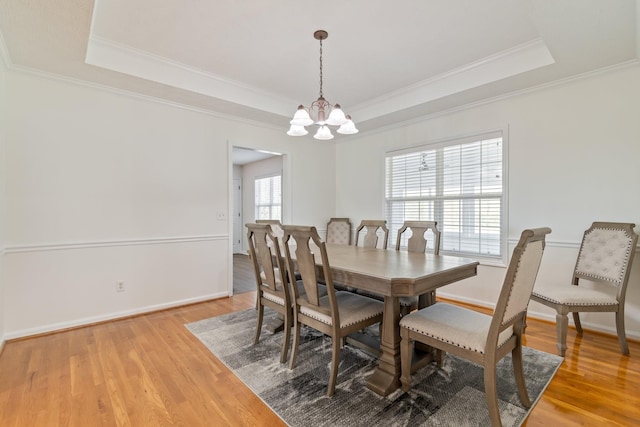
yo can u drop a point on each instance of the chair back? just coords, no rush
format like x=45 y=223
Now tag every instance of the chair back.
x=418 y=242
x=264 y=250
x=276 y=226
x=301 y=245
x=606 y=254
x=519 y=280
x=371 y=237
x=339 y=231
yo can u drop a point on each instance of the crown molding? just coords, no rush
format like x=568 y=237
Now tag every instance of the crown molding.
x=136 y=95
x=516 y=60
x=487 y=101
x=125 y=59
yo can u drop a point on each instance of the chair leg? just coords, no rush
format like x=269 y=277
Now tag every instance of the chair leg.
x=491 y=393
x=622 y=337
x=518 y=372
x=562 y=323
x=296 y=340
x=260 y=309
x=287 y=337
x=439 y=356
x=406 y=351
x=335 y=363
x=576 y=322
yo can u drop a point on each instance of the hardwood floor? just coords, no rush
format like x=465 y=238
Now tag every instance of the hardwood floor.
x=243 y=275
x=149 y=370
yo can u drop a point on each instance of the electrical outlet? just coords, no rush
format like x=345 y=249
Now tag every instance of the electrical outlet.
x=221 y=215
x=119 y=286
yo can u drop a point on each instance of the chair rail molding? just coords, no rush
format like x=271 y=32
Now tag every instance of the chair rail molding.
x=107 y=243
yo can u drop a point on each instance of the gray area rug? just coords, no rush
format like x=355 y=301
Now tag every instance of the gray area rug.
x=450 y=396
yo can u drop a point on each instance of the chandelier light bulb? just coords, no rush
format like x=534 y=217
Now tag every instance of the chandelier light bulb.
x=296 y=130
x=348 y=128
x=301 y=117
x=324 y=133
x=337 y=117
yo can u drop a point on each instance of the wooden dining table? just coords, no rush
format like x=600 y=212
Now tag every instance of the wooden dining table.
x=394 y=274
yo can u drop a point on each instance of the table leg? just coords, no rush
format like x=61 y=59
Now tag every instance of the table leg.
x=276 y=325
x=386 y=378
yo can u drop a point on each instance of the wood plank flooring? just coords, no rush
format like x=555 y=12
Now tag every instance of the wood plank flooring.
x=149 y=370
x=243 y=275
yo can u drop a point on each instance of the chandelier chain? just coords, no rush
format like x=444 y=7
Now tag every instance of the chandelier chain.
x=321 y=68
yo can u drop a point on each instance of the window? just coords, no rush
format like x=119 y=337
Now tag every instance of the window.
x=458 y=183
x=268 y=201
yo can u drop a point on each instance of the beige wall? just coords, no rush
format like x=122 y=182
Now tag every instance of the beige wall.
x=573 y=159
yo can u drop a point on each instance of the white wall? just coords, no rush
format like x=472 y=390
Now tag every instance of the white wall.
x=105 y=187
x=573 y=159
x=3 y=108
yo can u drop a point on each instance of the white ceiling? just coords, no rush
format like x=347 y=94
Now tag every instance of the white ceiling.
x=384 y=62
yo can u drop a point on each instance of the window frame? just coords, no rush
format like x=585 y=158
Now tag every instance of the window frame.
x=257 y=206
x=500 y=260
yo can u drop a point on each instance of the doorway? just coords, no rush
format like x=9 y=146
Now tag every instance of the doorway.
x=246 y=165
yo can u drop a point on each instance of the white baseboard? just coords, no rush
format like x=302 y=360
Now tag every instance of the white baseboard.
x=110 y=316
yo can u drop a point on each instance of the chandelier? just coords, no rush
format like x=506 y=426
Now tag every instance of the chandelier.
x=321 y=113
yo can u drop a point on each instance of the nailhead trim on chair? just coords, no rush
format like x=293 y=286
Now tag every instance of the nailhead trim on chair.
x=273 y=298
x=617 y=240
x=436 y=319
x=574 y=302
x=375 y=308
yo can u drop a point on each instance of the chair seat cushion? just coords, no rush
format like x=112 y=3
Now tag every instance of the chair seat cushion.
x=353 y=308
x=573 y=295
x=322 y=291
x=273 y=297
x=454 y=325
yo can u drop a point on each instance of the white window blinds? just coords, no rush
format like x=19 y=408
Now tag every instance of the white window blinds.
x=268 y=193
x=459 y=184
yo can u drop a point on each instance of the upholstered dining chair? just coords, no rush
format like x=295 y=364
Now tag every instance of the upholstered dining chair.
x=276 y=226
x=604 y=261
x=339 y=231
x=417 y=242
x=272 y=288
x=478 y=337
x=370 y=228
x=337 y=314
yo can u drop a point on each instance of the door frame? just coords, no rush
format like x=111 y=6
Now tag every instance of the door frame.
x=286 y=197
